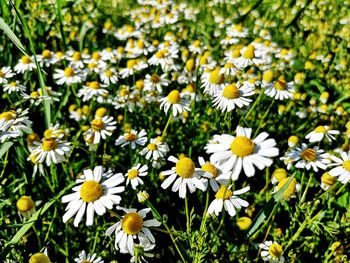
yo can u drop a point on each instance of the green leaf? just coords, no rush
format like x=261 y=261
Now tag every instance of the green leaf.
x=12 y=35
x=5 y=147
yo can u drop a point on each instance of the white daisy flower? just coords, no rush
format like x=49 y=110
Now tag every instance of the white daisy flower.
x=14 y=123
x=100 y=128
x=14 y=86
x=109 y=76
x=97 y=191
x=141 y=251
x=320 y=133
x=233 y=153
x=93 y=90
x=83 y=258
x=196 y=47
x=212 y=81
x=156 y=149
x=271 y=251
x=5 y=74
x=307 y=158
x=185 y=174
x=47 y=58
x=155 y=82
x=231 y=96
x=68 y=76
x=132 y=137
x=249 y=56
x=175 y=101
x=237 y=31
x=133 y=175
x=213 y=174
x=50 y=150
x=228 y=69
x=24 y=64
x=76 y=59
x=225 y=198
x=342 y=168
x=165 y=58
x=280 y=90
x=328 y=180
x=132 y=66
x=132 y=226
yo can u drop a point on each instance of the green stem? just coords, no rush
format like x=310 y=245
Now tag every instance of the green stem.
x=255 y=104
x=166 y=127
x=306 y=188
x=187 y=216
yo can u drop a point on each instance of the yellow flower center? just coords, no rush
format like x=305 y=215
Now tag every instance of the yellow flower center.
x=91 y=191
x=124 y=92
x=223 y=193
x=160 y=54
x=2 y=74
x=13 y=84
x=49 y=144
x=152 y=147
x=76 y=56
x=189 y=65
x=280 y=84
x=86 y=261
x=280 y=174
x=196 y=43
x=328 y=179
x=155 y=78
x=244 y=223
x=268 y=76
x=208 y=167
x=8 y=115
x=92 y=65
x=235 y=53
x=215 y=77
x=35 y=94
x=174 y=97
x=26 y=60
x=229 y=65
x=24 y=204
x=33 y=137
x=132 y=223
x=130 y=137
x=39 y=258
x=100 y=112
x=131 y=63
x=249 y=52
x=275 y=250
x=238 y=28
x=290 y=189
x=108 y=73
x=94 y=85
x=346 y=165
x=46 y=54
x=320 y=129
x=69 y=72
x=185 y=167
x=133 y=173
x=96 y=56
x=97 y=125
x=231 y=92
x=308 y=155
x=242 y=146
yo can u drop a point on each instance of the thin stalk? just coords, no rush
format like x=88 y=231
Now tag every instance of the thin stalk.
x=166 y=126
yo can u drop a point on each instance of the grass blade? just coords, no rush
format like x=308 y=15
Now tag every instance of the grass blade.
x=11 y=35
x=5 y=147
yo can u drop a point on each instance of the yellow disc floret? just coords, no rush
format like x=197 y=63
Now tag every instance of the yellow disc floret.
x=91 y=191
x=132 y=223
x=231 y=92
x=133 y=173
x=215 y=77
x=223 y=193
x=185 y=167
x=39 y=258
x=174 y=97
x=26 y=60
x=208 y=167
x=24 y=204
x=346 y=165
x=152 y=146
x=97 y=125
x=242 y=146
x=309 y=155
x=49 y=144
x=69 y=72
x=275 y=250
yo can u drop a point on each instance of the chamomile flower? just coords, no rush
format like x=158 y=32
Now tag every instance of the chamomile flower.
x=291 y=189
x=109 y=76
x=14 y=86
x=132 y=66
x=307 y=158
x=196 y=47
x=133 y=138
x=50 y=150
x=156 y=149
x=93 y=90
x=237 y=31
x=212 y=173
x=228 y=69
x=327 y=181
x=133 y=175
x=87 y=258
x=280 y=90
x=232 y=96
x=175 y=101
x=76 y=59
x=241 y=152
x=185 y=175
x=227 y=199
x=271 y=251
x=25 y=206
x=100 y=128
x=97 y=191
x=14 y=123
x=35 y=97
x=5 y=74
x=320 y=133
x=68 y=76
x=132 y=226
x=342 y=168
x=249 y=56
x=141 y=251
x=155 y=82
x=47 y=58
x=212 y=81
x=24 y=64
